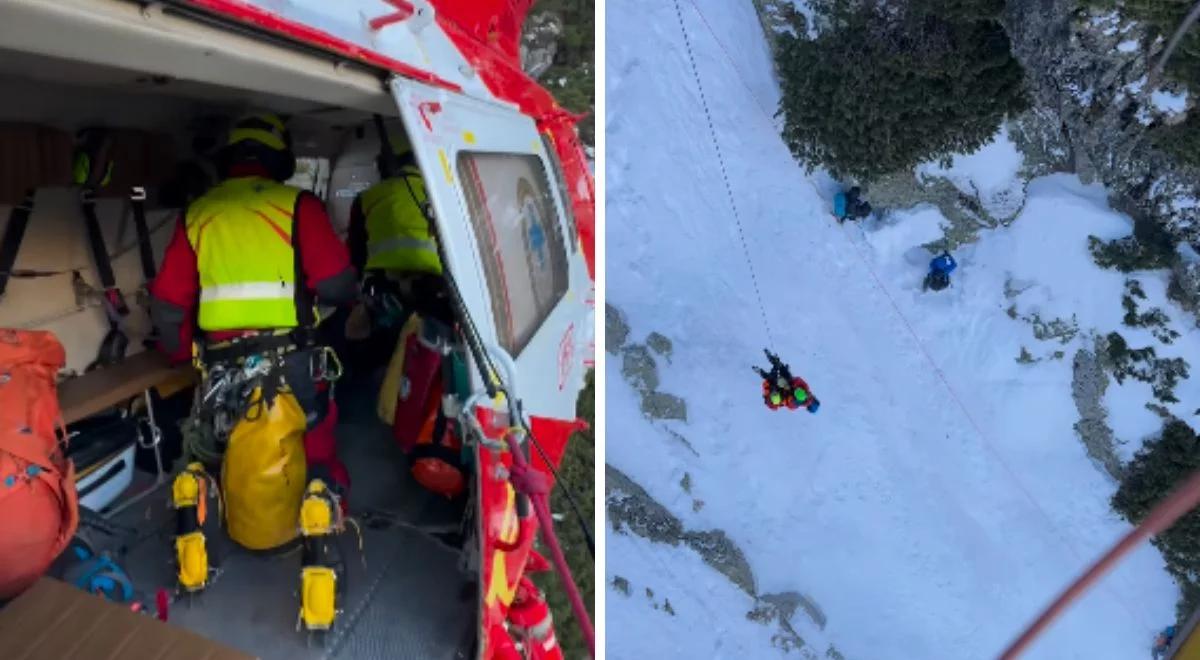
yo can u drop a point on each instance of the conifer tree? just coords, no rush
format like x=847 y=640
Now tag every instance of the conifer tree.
x=887 y=86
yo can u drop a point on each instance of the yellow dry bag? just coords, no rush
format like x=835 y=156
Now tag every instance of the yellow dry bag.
x=264 y=473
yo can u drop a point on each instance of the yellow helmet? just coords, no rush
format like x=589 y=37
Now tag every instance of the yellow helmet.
x=262 y=138
x=399 y=143
x=266 y=129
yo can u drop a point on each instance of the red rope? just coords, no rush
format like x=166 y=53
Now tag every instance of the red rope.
x=1182 y=500
x=534 y=484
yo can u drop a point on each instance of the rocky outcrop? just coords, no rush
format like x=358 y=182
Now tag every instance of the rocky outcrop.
x=539 y=43
x=639 y=367
x=1086 y=73
x=632 y=510
x=1086 y=69
x=1088 y=385
x=1185 y=282
x=616 y=330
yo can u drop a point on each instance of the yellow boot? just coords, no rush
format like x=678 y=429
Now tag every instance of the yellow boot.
x=189 y=497
x=320 y=521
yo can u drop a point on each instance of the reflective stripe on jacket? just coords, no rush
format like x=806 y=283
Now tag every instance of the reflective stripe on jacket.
x=242 y=232
x=398 y=235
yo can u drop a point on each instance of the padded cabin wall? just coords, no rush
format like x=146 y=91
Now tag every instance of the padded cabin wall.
x=56 y=240
x=353 y=171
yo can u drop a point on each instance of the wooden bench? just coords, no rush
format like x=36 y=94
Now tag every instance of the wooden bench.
x=95 y=391
x=87 y=394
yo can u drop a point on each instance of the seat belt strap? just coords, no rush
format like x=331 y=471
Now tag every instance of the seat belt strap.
x=112 y=294
x=137 y=201
x=14 y=233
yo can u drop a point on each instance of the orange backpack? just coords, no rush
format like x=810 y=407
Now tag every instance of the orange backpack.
x=38 y=503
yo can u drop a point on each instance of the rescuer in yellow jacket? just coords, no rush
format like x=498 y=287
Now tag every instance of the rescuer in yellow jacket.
x=390 y=238
x=248 y=261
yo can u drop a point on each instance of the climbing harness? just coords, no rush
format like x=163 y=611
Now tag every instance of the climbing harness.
x=230 y=373
x=115 y=342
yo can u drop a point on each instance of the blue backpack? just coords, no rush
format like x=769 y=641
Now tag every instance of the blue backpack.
x=943 y=264
x=839 y=205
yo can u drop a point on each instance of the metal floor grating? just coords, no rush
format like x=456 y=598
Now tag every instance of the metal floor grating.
x=410 y=600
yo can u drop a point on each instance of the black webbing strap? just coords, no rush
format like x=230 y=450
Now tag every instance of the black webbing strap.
x=137 y=201
x=100 y=254
x=14 y=232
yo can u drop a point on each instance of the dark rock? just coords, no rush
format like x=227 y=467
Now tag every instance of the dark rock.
x=631 y=508
x=659 y=405
x=660 y=344
x=616 y=329
x=539 y=42
x=639 y=369
x=723 y=554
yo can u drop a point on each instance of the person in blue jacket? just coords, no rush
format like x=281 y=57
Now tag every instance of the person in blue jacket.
x=1163 y=642
x=849 y=205
x=940 y=268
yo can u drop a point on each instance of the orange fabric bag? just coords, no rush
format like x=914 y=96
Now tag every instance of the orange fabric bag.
x=38 y=503
x=436 y=463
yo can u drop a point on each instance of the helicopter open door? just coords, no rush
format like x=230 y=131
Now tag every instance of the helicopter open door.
x=508 y=238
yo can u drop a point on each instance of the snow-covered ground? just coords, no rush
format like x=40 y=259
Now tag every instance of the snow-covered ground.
x=1169 y=102
x=941 y=497
x=989 y=174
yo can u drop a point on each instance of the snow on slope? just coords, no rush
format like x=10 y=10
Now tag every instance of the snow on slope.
x=912 y=523
x=989 y=173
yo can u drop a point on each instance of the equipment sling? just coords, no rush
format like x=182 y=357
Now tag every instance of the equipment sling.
x=14 y=232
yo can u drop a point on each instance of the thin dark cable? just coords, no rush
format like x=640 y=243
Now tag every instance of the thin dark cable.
x=724 y=174
x=487 y=368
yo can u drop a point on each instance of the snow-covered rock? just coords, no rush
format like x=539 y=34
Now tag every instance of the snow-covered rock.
x=539 y=42
x=1088 y=70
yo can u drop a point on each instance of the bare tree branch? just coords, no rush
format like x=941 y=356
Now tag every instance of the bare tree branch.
x=1156 y=73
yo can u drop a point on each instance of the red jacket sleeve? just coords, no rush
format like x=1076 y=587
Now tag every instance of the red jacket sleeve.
x=174 y=292
x=322 y=253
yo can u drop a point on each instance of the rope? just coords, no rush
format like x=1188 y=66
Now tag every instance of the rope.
x=920 y=345
x=971 y=419
x=724 y=174
x=490 y=376
x=1161 y=517
x=532 y=483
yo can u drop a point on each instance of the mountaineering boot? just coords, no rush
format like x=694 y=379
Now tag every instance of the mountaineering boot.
x=189 y=497
x=320 y=520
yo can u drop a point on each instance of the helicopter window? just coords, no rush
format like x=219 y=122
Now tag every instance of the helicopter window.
x=521 y=241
